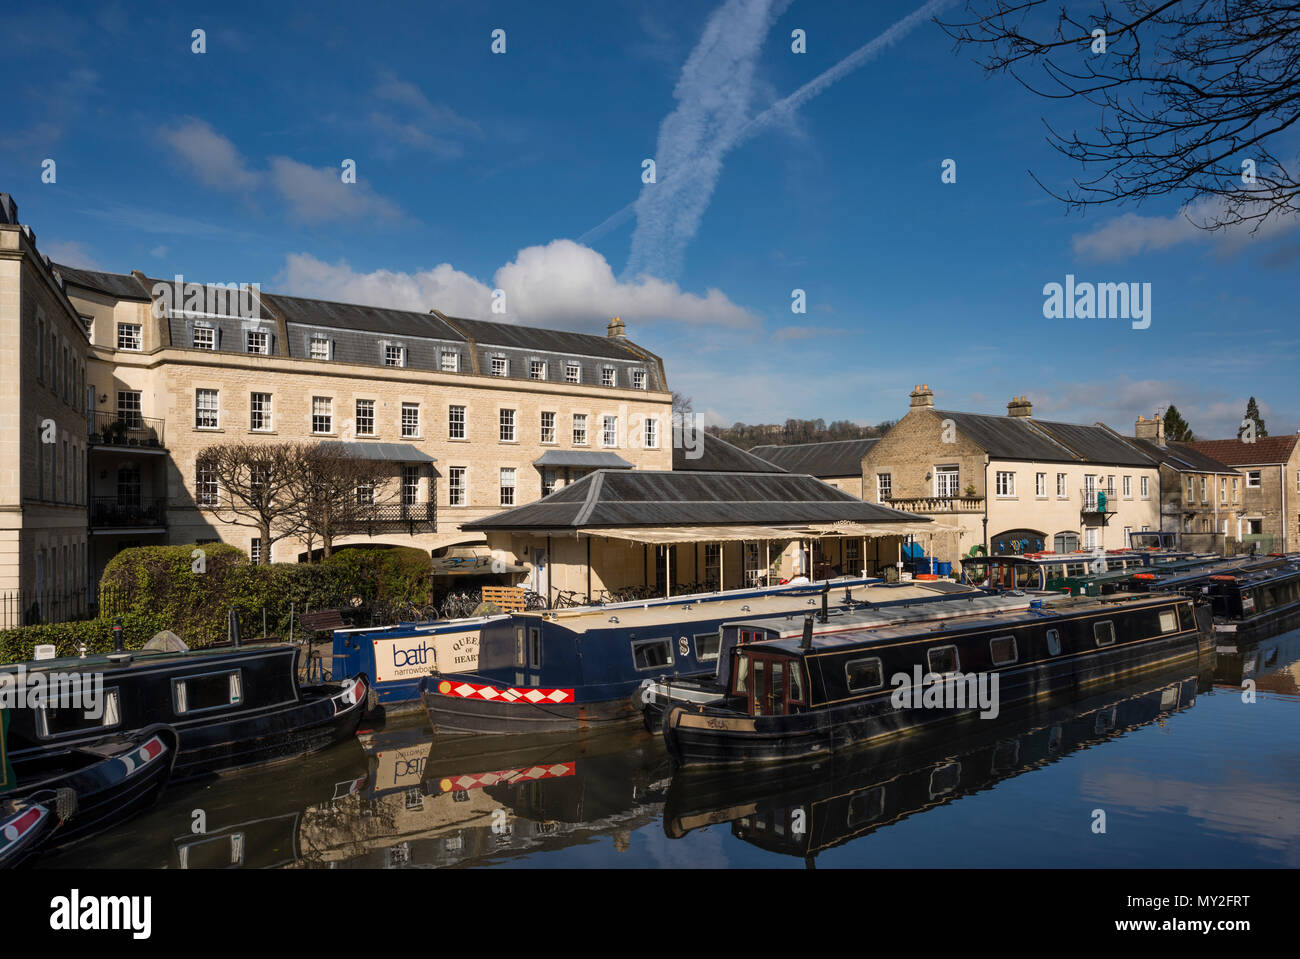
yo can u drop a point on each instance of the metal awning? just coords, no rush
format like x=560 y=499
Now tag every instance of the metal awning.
x=713 y=534
x=390 y=452
x=583 y=459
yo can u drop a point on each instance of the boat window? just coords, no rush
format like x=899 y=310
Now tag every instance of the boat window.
x=535 y=648
x=866 y=806
x=652 y=654
x=1054 y=642
x=520 y=661
x=796 y=683
x=864 y=674
x=760 y=685
x=742 y=675
x=1104 y=632
x=943 y=659
x=1185 y=615
x=1168 y=621
x=210 y=691
x=706 y=647
x=1003 y=650
x=60 y=720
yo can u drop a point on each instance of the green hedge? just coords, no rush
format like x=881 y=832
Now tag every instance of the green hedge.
x=158 y=587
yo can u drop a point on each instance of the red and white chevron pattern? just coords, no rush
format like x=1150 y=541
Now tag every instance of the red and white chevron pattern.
x=507 y=695
x=506 y=777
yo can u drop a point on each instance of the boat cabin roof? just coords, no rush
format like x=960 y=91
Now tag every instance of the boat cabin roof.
x=975 y=603
x=98 y=662
x=1054 y=604
x=748 y=604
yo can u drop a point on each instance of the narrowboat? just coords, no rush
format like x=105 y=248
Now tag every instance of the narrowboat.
x=399 y=657
x=654 y=697
x=572 y=670
x=794 y=699
x=1079 y=574
x=66 y=793
x=1254 y=603
x=811 y=807
x=232 y=706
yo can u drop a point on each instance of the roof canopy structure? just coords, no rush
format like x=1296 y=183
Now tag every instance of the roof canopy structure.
x=583 y=459
x=388 y=452
x=654 y=506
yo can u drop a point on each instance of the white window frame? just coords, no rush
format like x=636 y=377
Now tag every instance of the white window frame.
x=580 y=430
x=884 y=486
x=651 y=433
x=265 y=412
x=547 y=432
x=508 y=425
x=265 y=349
x=508 y=490
x=323 y=341
x=608 y=376
x=458 y=493
x=410 y=425
x=453 y=366
x=1145 y=487
x=537 y=369
x=500 y=366
x=370 y=410
x=394 y=355
x=328 y=403
x=572 y=371
x=452 y=424
x=640 y=380
x=134 y=341
x=1062 y=485
x=1040 y=485
x=605 y=428
x=1257 y=476
x=211 y=336
x=200 y=409
x=1005 y=483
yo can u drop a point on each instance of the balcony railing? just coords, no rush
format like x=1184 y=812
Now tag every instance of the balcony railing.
x=117 y=512
x=389 y=517
x=1099 y=501
x=938 y=504
x=113 y=429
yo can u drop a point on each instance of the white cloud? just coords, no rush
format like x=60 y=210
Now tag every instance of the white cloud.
x=71 y=253
x=560 y=284
x=424 y=125
x=1131 y=233
x=210 y=156
x=159 y=251
x=318 y=194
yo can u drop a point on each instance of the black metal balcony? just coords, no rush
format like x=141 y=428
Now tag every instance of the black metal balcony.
x=127 y=429
x=390 y=517
x=113 y=512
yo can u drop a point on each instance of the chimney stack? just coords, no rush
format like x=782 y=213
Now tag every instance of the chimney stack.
x=1020 y=406
x=616 y=328
x=1150 y=429
x=922 y=397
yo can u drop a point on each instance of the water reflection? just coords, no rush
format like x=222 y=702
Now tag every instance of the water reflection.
x=803 y=811
x=1216 y=786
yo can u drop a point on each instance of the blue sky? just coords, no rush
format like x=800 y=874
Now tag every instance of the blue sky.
x=522 y=171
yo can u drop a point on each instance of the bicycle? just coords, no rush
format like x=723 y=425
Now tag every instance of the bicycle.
x=533 y=601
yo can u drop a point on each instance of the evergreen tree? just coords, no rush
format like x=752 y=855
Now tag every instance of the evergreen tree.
x=1252 y=413
x=1176 y=428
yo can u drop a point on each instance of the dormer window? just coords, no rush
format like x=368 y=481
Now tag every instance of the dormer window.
x=257 y=341
x=572 y=372
x=537 y=369
x=638 y=380
x=607 y=376
x=394 y=355
x=205 y=338
x=500 y=366
x=320 y=348
x=450 y=361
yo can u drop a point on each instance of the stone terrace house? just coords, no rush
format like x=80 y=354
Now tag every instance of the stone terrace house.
x=1199 y=496
x=838 y=462
x=1268 y=515
x=1014 y=483
x=116 y=383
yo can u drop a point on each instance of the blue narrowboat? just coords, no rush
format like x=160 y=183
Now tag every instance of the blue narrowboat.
x=568 y=670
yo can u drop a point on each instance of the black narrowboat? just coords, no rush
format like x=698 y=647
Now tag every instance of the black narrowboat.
x=232 y=706
x=1253 y=603
x=66 y=793
x=795 y=699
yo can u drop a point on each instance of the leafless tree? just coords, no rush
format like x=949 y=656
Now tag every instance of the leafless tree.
x=1195 y=96
x=332 y=490
x=252 y=488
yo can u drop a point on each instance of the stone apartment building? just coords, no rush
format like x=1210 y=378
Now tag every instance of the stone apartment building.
x=121 y=381
x=1268 y=515
x=1013 y=483
x=1199 y=496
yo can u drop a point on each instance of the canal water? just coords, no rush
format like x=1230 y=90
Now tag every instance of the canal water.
x=1172 y=770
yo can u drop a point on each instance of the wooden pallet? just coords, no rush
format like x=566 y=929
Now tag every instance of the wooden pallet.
x=508 y=599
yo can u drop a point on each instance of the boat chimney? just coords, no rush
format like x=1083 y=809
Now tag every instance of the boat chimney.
x=807 y=632
x=232 y=626
x=119 y=643
x=825 y=613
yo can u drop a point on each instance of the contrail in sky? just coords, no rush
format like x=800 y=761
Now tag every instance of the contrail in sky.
x=713 y=91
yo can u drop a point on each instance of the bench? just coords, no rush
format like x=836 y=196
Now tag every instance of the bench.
x=322 y=620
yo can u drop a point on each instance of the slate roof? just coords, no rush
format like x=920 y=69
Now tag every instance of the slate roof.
x=615 y=498
x=122 y=286
x=1182 y=457
x=390 y=452
x=717 y=455
x=534 y=338
x=1027 y=438
x=1264 y=451
x=353 y=316
x=585 y=459
x=833 y=458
